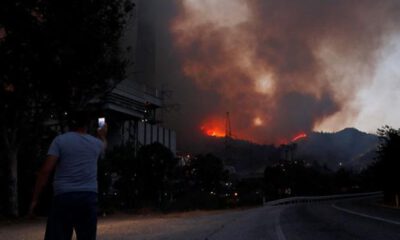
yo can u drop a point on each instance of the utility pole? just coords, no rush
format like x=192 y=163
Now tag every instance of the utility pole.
x=228 y=138
x=228 y=130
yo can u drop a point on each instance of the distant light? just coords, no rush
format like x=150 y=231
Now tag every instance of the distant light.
x=264 y=84
x=258 y=121
x=9 y=87
x=235 y=194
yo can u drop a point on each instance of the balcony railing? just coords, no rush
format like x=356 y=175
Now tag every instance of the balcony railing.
x=133 y=98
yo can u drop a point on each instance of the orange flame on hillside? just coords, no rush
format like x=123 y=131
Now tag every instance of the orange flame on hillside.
x=286 y=141
x=213 y=132
x=299 y=136
x=213 y=128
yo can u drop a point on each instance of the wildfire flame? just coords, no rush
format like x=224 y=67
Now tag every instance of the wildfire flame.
x=213 y=132
x=298 y=137
x=213 y=128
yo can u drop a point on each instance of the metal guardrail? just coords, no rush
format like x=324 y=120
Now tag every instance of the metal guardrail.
x=294 y=200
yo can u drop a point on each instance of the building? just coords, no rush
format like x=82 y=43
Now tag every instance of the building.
x=133 y=110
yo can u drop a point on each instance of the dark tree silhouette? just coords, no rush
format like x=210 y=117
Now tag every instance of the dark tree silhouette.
x=388 y=163
x=54 y=56
x=208 y=172
x=206 y=175
x=155 y=168
x=117 y=177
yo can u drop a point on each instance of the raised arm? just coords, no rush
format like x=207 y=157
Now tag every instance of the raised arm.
x=102 y=134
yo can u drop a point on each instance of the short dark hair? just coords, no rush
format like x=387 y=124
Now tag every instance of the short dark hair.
x=78 y=119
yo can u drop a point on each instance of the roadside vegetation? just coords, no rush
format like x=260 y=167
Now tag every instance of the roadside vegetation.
x=386 y=169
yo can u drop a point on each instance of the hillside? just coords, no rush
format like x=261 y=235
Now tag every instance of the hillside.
x=349 y=148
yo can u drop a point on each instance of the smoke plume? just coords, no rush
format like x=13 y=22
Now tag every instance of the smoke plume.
x=280 y=67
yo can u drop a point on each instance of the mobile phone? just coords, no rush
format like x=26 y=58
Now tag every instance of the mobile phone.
x=101 y=122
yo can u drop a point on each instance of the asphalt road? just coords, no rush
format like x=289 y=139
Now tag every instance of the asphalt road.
x=340 y=220
x=344 y=220
x=349 y=219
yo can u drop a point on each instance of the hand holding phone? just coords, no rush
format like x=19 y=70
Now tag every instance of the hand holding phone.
x=102 y=130
x=101 y=122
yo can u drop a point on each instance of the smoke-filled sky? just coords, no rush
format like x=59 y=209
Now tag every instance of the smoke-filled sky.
x=280 y=67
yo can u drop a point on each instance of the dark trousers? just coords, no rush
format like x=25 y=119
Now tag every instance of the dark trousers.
x=75 y=210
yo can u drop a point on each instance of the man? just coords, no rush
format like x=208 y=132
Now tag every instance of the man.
x=74 y=157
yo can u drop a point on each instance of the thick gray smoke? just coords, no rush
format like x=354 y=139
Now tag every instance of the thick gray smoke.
x=280 y=67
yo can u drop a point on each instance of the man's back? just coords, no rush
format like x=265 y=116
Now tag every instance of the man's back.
x=73 y=156
x=76 y=170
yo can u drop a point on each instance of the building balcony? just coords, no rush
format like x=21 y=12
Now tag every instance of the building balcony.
x=133 y=99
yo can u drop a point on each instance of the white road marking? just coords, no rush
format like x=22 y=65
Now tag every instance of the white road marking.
x=365 y=215
x=278 y=228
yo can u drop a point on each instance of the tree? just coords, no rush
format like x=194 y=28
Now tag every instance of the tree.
x=117 y=177
x=155 y=168
x=295 y=178
x=208 y=172
x=55 y=56
x=206 y=175
x=141 y=179
x=388 y=164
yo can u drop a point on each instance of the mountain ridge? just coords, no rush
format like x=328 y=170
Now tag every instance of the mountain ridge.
x=349 y=148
